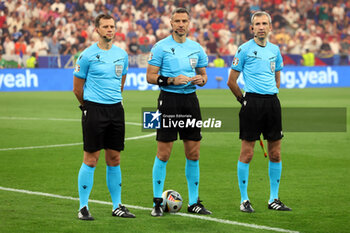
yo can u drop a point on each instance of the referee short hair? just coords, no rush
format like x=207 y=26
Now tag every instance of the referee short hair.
x=102 y=16
x=260 y=13
x=180 y=10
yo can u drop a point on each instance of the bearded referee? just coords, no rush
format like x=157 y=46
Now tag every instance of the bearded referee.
x=99 y=78
x=177 y=64
x=260 y=63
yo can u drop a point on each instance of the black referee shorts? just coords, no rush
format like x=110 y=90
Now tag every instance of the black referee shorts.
x=103 y=126
x=178 y=107
x=260 y=114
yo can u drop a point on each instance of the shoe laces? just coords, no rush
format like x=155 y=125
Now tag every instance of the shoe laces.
x=246 y=204
x=278 y=202
x=123 y=208
x=199 y=203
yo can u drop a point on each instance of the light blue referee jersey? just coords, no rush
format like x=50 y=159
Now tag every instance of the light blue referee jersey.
x=102 y=71
x=258 y=65
x=175 y=58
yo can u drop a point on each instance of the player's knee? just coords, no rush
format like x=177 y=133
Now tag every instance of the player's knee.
x=246 y=157
x=275 y=156
x=193 y=155
x=163 y=156
x=91 y=162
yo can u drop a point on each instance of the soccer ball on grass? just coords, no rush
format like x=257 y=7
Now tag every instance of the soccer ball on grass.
x=172 y=201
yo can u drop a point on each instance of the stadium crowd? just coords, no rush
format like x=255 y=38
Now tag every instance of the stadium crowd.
x=61 y=27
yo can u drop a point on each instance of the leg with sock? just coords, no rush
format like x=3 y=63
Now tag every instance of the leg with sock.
x=158 y=177
x=114 y=184
x=243 y=174
x=85 y=183
x=275 y=170
x=192 y=176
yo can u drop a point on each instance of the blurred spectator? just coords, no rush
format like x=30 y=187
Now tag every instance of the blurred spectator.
x=31 y=61
x=345 y=51
x=69 y=49
x=134 y=47
x=145 y=47
x=325 y=51
x=223 y=48
x=9 y=46
x=212 y=45
x=16 y=34
x=218 y=61
x=120 y=43
x=54 y=46
x=162 y=32
x=150 y=35
x=308 y=58
x=21 y=47
x=59 y=5
x=334 y=43
x=42 y=46
x=232 y=47
x=31 y=47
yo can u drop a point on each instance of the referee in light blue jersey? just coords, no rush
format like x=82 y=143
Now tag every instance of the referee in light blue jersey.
x=99 y=78
x=260 y=63
x=177 y=65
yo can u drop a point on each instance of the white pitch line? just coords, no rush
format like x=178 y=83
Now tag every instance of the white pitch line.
x=52 y=119
x=69 y=144
x=260 y=227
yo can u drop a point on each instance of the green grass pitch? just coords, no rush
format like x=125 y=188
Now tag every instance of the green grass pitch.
x=315 y=177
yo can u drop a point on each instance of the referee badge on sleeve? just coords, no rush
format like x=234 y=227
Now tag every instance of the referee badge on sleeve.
x=118 y=70
x=273 y=66
x=193 y=62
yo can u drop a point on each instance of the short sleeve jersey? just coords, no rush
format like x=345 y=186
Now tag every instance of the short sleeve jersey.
x=102 y=71
x=175 y=58
x=258 y=65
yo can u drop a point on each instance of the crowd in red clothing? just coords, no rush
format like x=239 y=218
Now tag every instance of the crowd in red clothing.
x=220 y=26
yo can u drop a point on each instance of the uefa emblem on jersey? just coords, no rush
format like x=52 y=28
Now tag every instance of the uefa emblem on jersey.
x=193 y=62
x=118 y=70
x=235 y=61
x=273 y=66
x=151 y=120
x=77 y=68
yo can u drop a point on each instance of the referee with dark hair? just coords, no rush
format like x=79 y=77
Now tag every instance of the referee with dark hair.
x=177 y=64
x=99 y=78
x=260 y=63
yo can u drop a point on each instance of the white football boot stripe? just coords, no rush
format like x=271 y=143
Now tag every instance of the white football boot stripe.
x=119 y=212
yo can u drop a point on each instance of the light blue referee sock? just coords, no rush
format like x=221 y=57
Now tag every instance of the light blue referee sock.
x=275 y=170
x=114 y=184
x=243 y=174
x=192 y=176
x=158 y=176
x=85 y=183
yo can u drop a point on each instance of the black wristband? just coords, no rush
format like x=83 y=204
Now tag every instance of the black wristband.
x=240 y=99
x=81 y=107
x=162 y=81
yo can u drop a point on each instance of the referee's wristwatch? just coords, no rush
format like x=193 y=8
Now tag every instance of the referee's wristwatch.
x=171 y=81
